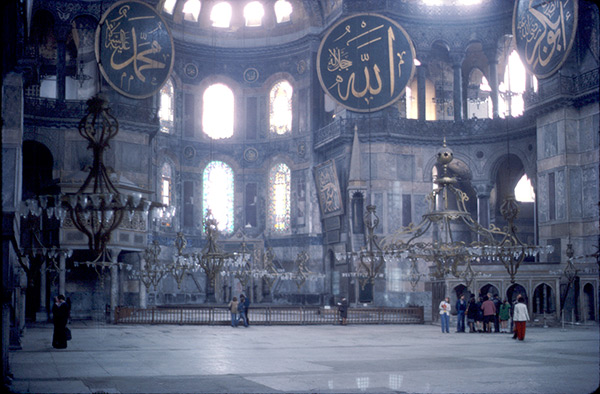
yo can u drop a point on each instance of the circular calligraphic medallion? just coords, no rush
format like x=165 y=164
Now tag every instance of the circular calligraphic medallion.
x=189 y=152
x=365 y=61
x=250 y=155
x=544 y=32
x=251 y=75
x=190 y=70
x=301 y=67
x=134 y=49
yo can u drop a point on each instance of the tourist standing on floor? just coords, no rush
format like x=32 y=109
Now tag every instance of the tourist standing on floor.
x=60 y=317
x=343 y=310
x=472 y=311
x=504 y=315
x=246 y=302
x=241 y=313
x=520 y=317
x=461 y=308
x=479 y=317
x=497 y=304
x=489 y=312
x=445 y=314
x=233 y=308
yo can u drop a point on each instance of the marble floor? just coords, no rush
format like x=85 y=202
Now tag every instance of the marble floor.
x=305 y=359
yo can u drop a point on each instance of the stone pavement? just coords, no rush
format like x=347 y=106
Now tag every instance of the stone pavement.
x=305 y=359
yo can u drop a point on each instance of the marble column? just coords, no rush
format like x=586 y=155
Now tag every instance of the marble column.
x=114 y=283
x=483 y=203
x=421 y=99
x=493 y=80
x=457 y=59
x=143 y=293
x=62 y=273
x=42 y=313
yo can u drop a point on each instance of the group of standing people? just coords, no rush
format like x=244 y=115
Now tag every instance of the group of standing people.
x=239 y=310
x=483 y=313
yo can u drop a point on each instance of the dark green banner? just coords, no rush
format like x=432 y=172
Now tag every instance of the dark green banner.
x=365 y=61
x=544 y=32
x=134 y=49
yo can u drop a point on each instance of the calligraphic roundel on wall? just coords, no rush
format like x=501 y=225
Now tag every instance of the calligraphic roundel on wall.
x=365 y=61
x=134 y=49
x=544 y=32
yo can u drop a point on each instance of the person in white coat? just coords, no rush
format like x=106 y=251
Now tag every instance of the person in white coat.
x=520 y=318
x=445 y=314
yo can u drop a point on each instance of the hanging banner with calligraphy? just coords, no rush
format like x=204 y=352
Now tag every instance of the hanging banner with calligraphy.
x=544 y=32
x=134 y=49
x=365 y=61
x=328 y=189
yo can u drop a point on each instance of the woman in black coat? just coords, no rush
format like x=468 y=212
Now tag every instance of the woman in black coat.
x=60 y=314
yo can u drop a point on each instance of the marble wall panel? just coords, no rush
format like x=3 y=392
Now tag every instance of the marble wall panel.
x=9 y=176
x=590 y=192
x=132 y=157
x=550 y=137
x=406 y=167
x=575 y=195
x=542 y=200
x=561 y=195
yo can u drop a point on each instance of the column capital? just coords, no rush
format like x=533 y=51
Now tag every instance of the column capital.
x=457 y=57
x=483 y=189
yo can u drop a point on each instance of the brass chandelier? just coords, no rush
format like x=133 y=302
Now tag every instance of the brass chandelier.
x=445 y=251
x=98 y=207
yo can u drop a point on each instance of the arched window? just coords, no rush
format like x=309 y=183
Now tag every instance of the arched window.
x=220 y=15
x=280 y=103
x=512 y=88
x=217 y=194
x=191 y=10
x=166 y=184
x=165 y=113
x=166 y=191
x=253 y=13
x=524 y=191
x=279 y=197
x=217 y=111
x=169 y=6
x=283 y=11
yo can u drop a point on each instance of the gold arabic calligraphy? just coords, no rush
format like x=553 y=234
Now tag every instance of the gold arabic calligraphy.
x=338 y=62
x=123 y=38
x=543 y=29
x=329 y=191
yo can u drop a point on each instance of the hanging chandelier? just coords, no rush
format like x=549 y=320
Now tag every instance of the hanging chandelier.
x=448 y=214
x=98 y=207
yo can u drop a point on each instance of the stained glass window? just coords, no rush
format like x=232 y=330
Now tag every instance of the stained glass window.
x=165 y=113
x=217 y=111
x=281 y=107
x=217 y=194
x=279 y=192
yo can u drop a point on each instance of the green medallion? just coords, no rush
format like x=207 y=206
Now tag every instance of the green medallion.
x=544 y=32
x=365 y=61
x=134 y=49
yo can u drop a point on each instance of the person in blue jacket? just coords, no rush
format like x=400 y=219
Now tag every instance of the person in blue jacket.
x=461 y=307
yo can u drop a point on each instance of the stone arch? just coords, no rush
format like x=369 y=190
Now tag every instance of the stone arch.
x=38 y=162
x=543 y=299
x=488 y=288
x=514 y=290
x=589 y=302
